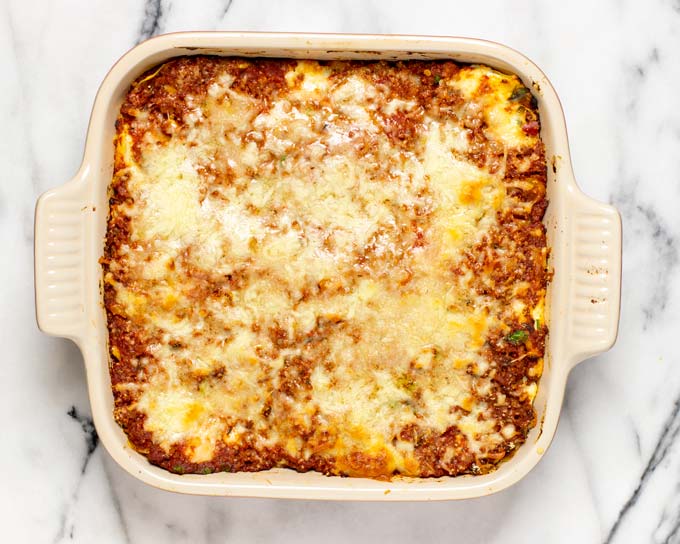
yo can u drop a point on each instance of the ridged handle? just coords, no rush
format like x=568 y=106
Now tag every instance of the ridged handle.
x=595 y=277
x=60 y=220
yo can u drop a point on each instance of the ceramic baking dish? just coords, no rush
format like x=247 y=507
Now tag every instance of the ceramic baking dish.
x=584 y=237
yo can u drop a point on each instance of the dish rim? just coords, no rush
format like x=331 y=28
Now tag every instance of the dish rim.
x=584 y=237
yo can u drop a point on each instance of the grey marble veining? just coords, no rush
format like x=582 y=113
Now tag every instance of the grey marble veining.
x=613 y=472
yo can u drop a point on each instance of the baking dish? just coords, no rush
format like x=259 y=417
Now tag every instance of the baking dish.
x=584 y=237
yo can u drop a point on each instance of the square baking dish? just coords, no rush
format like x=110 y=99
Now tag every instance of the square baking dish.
x=584 y=237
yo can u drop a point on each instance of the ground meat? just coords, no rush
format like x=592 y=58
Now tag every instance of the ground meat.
x=439 y=455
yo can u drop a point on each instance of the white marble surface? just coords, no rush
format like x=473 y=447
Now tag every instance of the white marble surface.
x=613 y=472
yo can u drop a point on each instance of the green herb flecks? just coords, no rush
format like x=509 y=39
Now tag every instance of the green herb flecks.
x=518 y=93
x=437 y=79
x=517 y=337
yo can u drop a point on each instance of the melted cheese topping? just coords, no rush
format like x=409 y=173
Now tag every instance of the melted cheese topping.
x=293 y=270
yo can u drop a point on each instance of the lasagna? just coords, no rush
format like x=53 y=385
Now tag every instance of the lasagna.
x=326 y=266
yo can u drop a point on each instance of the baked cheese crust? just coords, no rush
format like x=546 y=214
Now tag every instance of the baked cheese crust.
x=330 y=266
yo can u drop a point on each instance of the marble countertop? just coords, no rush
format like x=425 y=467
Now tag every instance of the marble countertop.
x=613 y=471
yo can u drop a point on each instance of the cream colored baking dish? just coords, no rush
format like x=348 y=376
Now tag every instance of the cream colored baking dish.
x=584 y=237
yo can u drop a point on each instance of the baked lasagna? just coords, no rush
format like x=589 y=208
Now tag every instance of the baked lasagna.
x=331 y=266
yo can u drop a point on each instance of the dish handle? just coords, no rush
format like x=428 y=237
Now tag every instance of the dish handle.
x=60 y=235
x=595 y=277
